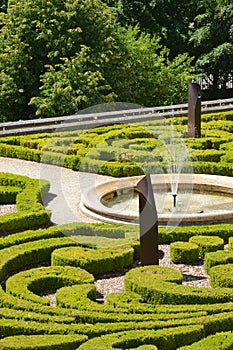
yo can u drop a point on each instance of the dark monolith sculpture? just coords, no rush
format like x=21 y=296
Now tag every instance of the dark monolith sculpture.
x=194 y=110
x=148 y=220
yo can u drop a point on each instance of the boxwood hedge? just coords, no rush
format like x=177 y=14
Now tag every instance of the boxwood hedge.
x=155 y=311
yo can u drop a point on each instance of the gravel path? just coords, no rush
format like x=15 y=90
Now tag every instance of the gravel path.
x=66 y=187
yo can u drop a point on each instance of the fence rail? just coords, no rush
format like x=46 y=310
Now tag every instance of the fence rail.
x=88 y=121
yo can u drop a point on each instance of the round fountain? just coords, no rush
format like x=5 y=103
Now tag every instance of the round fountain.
x=199 y=199
x=181 y=197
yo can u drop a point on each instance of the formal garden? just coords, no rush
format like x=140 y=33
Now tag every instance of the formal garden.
x=155 y=310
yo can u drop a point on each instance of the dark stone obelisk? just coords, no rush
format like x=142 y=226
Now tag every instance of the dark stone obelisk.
x=194 y=110
x=148 y=219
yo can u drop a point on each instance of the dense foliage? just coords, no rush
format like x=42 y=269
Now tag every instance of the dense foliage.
x=59 y=57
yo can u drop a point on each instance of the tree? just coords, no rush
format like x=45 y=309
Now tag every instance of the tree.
x=166 y=19
x=72 y=85
x=60 y=56
x=39 y=33
x=144 y=74
x=211 y=35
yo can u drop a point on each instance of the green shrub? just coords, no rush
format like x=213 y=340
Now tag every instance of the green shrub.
x=212 y=155
x=27 y=284
x=95 y=261
x=217 y=258
x=24 y=220
x=43 y=342
x=225 y=169
x=165 y=339
x=222 y=276
x=228 y=157
x=20 y=152
x=8 y=194
x=227 y=146
x=184 y=252
x=29 y=253
x=207 y=243
x=120 y=169
x=230 y=244
x=96 y=229
x=156 y=288
x=182 y=233
x=29 y=193
x=218 y=341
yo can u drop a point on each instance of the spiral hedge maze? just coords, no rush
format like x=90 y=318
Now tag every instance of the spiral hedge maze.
x=127 y=150
x=155 y=310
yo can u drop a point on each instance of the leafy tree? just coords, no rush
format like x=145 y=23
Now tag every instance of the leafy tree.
x=58 y=57
x=38 y=33
x=144 y=74
x=211 y=35
x=167 y=19
x=72 y=85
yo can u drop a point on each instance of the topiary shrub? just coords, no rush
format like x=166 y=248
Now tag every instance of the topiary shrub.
x=184 y=252
x=207 y=243
x=230 y=243
x=222 y=276
x=27 y=284
x=95 y=261
x=218 y=341
x=220 y=257
x=43 y=342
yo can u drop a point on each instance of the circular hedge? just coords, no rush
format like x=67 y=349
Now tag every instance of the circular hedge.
x=184 y=252
x=207 y=243
x=222 y=276
x=95 y=261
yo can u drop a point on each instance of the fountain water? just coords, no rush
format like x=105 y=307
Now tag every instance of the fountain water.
x=175 y=155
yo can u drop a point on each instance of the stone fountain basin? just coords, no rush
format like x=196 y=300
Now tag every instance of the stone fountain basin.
x=93 y=205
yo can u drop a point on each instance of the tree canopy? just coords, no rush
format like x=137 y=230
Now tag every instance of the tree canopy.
x=60 y=56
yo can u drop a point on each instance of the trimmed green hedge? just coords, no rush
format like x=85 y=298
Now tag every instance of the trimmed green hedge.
x=222 y=276
x=165 y=339
x=27 y=284
x=100 y=150
x=218 y=341
x=8 y=194
x=43 y=342
x=207 y=243
x=95 y=261
x=29 y=253
x=155 y=286
x=218 y=258
x=180 y=233
x=27 y=193
x=184 y=252
x=128 y=319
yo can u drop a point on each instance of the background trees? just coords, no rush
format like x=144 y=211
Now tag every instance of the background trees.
x=60 y=56
x=211 y=36
x=38 y=35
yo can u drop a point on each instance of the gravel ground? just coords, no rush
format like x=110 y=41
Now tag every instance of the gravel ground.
x=7 y=209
